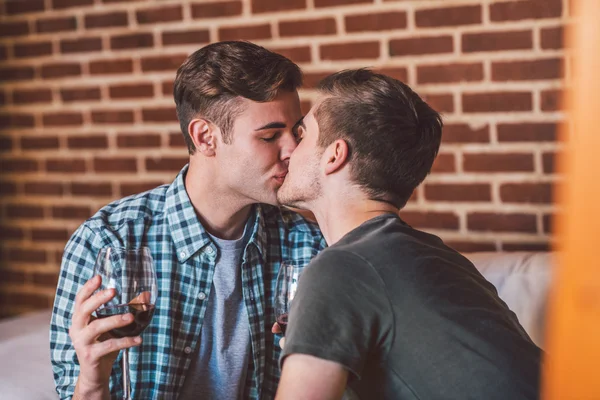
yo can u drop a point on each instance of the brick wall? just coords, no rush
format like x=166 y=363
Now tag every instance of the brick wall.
x=87 y=116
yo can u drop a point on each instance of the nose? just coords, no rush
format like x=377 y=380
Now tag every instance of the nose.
x=288 y=145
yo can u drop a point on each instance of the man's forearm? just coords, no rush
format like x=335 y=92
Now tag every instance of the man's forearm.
x=87 y=393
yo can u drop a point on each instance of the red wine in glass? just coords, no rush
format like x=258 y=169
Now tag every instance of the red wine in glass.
x=142 y=313
x=282 y=320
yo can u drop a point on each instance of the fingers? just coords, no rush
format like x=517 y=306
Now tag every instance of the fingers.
x=83 y=311
x=282 y=342
x=276 y=328
x=92 y=353
x=100 y=326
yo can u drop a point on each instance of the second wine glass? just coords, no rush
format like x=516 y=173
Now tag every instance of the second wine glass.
x=285 y=290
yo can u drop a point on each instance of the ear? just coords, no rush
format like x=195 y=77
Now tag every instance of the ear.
x=203 y=134
x=336 y=155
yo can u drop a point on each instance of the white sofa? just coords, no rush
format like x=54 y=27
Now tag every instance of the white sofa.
x=522 y=280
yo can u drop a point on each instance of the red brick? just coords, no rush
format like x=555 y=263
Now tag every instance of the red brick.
x=44 y=188
x=66 y=165
x=91 y=189
x=6 y=144
x=62 y=4
x=80 y=94
x=159 y=114
x=163 y=63
x=497 y=41
x=3 y=55
x=530 y=9
x=24 y=96
x=60 y=24
x=551 y=100
x=32 y=49
x=549 y=162
x=8 y=188
x=312 y=79
x=165 y=164
x=528 y=132
x=349 y=51
x=400 y=73
x=131 y=41
x=138 y=140
x=220 y=9
x=498 y=162
x=106 y=20
x=549 y=68
x=24 y=6
x=376 y=22
x=83 y=45
x=48 y=280
x=246 y=32
x=334 y=3
x=296 y=54
x=131 y=91
x=490 y=222
x=40 y=143
x=552 y=38
x=159 y=14
x=309 y=27
x=62 y=119
x=262 y=6
x=305 y=106
x=115 y=164
x=130 y=188
x=196 y=36
x=11 y=233
x=539 y=193
x=27 y=255
x=471 y=247
x=121 y=1
x=71 y=212
x=177 y=140
x=11 y=277
x=87 y=142
x=421 y=45
x=15 y=120
x=50 y=235
x=449 y=16
x=497 y=102
x=548 y=221
x=450 y=73
x=456 y=192
x=465 y=133
x=167 y=88
x=524 y=246
x=18 y=165
x=24 y=211
x=16 y=28
x=115 y=66
x=60 y=70
x=444 y=163
x=443 y=103
x=430 y=220
x=16 y=74
x=112 y=117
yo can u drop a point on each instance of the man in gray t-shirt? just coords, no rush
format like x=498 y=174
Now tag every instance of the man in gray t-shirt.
x=388 y=312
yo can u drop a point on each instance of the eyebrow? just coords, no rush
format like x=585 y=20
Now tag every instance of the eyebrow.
x=271 y=125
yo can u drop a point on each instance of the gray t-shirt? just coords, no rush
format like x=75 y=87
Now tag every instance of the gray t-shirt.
x=219 y=369
x=410 y=318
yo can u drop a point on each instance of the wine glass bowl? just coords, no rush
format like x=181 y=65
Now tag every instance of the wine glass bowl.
x=285 y=290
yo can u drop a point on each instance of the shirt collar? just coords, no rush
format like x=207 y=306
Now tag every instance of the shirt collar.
x=189 y=236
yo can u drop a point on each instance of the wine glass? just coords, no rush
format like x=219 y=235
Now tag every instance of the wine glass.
x=285 y=290
x=130 y=272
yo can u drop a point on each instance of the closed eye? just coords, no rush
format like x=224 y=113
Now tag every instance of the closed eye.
x=271 y=138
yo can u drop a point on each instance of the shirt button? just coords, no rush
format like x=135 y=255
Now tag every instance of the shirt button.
x=201 y=295
x=187 y=350
x=209 y=250
x=183 y=254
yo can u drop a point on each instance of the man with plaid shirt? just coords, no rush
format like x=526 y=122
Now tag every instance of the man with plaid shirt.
x=217 y=239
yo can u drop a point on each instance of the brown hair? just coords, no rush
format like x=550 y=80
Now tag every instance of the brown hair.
x=392 y=134
x=212 y=79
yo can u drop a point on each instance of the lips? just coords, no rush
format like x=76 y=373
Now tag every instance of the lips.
x=281 y=177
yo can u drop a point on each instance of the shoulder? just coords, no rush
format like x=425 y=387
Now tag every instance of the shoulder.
x=341 y=267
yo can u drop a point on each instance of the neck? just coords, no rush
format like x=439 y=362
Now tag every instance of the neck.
x=221 y=213
x=338 y=217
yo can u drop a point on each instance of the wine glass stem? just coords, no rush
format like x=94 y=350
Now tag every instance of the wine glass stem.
x=126 y=382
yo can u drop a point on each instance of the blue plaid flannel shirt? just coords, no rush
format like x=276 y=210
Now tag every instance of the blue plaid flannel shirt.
x=164 y=220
